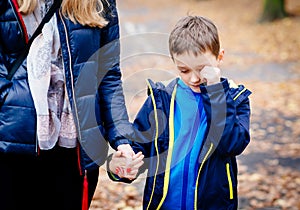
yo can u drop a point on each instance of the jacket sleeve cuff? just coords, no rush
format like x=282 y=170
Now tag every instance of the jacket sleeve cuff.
x=120 y=142
x=223 y=85
x=113 y=176
x=110 y=174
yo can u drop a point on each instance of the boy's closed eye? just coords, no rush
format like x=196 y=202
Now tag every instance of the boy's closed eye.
x=183 y=69
x=186 y=70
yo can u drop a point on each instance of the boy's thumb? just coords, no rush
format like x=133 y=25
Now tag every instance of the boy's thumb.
x=118 y=154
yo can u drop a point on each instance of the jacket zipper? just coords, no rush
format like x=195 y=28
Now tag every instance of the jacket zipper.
x=20 y=21
x=73 y=91
x=229 y=181
x=155 y=142
x=21 y=24
x=170 y=150
x=171 y=143
x=198 y=176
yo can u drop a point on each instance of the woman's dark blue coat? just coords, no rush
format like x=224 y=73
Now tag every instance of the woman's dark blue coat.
x=93 y=81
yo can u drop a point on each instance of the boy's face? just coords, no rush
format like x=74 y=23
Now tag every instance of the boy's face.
x=190 y=67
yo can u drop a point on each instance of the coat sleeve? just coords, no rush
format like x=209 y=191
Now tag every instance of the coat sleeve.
x=228 y=117
x=114 y=114
x=144 y=129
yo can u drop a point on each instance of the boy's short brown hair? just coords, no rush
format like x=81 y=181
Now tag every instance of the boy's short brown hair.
x=194 y=34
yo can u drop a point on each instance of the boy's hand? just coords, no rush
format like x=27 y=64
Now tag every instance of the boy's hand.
x=210 y=75
x=120 y=166
x=136 y=163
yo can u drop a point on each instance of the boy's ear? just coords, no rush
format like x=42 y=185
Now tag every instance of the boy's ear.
x=221 y=55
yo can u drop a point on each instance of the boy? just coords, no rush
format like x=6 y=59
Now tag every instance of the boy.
x=190 y=130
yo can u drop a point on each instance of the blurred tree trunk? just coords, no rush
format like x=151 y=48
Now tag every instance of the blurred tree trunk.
x=273 y=9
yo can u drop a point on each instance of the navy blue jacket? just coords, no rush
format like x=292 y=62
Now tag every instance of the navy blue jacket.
x=93 y=80
x=228 y=114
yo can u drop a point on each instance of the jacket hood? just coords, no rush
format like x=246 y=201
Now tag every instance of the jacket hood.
x=166 y=86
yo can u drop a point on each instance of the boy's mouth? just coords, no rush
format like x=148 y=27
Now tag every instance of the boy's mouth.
x=195 y=86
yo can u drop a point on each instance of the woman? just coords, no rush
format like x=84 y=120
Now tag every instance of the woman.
x=60 y=103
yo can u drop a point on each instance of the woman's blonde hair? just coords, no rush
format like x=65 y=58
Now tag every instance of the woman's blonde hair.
x=85 y=12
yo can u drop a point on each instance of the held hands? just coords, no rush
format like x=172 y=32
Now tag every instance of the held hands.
x=125 y=163
x=210 y=75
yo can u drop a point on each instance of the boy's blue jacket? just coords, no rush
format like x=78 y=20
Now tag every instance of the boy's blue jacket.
x=93 y=82
x=227 y=135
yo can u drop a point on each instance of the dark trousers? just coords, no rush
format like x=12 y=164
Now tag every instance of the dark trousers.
x=51 y=181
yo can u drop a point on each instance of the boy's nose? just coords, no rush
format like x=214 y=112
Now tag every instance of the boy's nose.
x=195 y=77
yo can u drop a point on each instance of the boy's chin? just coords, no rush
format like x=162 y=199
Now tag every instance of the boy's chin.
x=196 y=90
